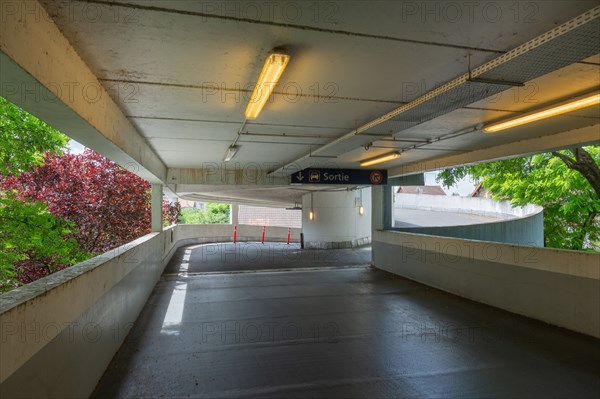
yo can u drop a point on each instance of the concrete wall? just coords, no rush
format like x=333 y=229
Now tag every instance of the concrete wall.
x=523 y=225
x=559 y=287
x=58 y=334
x=191 y=234
x=469 y=205
x=337 y=222
x=524 y=231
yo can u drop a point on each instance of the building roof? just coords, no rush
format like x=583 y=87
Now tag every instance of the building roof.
x=480 y=191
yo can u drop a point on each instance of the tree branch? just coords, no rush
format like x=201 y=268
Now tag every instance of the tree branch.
x=583 y=163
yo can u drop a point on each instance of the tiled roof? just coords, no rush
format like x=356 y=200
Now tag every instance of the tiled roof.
x=264 y=216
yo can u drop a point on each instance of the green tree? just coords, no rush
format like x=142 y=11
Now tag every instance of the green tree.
x=33 y=242
x=58 y=209
x=29 y=232
x=24 y=139
x=566 y=183
x=213 y=214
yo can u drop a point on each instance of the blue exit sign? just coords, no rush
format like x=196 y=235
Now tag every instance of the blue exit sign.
x=340 y=176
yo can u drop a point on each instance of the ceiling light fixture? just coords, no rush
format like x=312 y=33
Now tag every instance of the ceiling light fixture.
x=269 y=76
x=230 y=153
x=570 y=106
x=381 y=158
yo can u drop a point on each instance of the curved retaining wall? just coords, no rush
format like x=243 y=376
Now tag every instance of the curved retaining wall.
x=526 y=227
x=191 y=234
x=58 y=334
x=528 y=230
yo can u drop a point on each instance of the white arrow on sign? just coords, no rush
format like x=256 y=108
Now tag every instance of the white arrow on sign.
x=300 y=176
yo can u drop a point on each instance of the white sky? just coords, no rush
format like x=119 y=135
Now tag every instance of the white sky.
x=75 y=147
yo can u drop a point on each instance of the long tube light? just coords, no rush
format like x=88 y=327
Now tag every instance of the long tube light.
x=381 y=158
x=230 y=153
x=269 y=76
x=547 y=113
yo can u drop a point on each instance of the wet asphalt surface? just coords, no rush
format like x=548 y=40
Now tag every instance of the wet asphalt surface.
x=324 y=324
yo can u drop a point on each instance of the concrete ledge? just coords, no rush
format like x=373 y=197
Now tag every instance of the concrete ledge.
x=558 y=287
x=59 y=333
x=337 y=244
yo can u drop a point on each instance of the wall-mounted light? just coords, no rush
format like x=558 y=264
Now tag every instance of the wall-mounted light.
x=556 y=110
x=311 y=213
x=230 y=153
x=269 y=76
x=381 y=158
x=361 y=209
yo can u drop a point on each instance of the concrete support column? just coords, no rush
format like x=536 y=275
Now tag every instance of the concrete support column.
x=340 y=219
x=234 y=210
x=377 y=208
x=156 y=206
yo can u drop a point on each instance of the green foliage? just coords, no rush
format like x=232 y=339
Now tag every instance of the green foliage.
x=24 y=139
x=213 y=214
x=53 y=204
x=171 y=213
x=571 y=206
x=32 y=234
x=29 y=234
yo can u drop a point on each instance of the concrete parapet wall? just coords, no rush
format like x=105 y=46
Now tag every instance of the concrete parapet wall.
x=522 y=225
x=190 y=234
x=528 y=230
x=337 y=244
x=559 y=287
x=58 y=334
x=469 y=205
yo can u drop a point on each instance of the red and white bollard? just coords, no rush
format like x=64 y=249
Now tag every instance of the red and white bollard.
x=262 y=240
x=289 y=234
x=234 y=234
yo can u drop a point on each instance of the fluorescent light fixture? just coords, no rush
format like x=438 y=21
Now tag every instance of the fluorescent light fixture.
x=381 y=158
x=311 y=215
x=361 y=210
x=231 y=151
x=570 y=106
x=269 y=76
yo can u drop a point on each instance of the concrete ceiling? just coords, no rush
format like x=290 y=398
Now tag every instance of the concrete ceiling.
x=182 y=72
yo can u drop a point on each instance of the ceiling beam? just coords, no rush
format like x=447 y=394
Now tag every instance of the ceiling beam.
x=222 y=174
x=578 y=137
x=43 y=74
